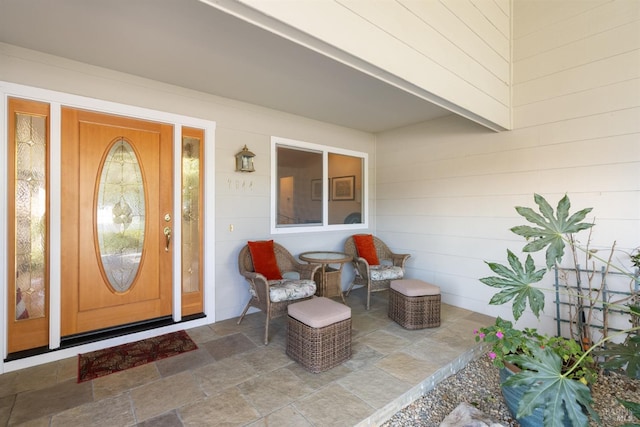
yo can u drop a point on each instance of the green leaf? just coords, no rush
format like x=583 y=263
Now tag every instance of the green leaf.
x=550 y=390
x=552 y=229
x=620 y=355
x=632 y=406
x=516 y=284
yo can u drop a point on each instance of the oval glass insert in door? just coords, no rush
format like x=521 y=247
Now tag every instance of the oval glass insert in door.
x=120 y=216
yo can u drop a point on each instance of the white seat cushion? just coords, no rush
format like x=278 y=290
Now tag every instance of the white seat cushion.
x=385 y=272
x=287 y=289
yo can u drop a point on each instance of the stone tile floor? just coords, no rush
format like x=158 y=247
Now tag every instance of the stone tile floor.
x=234 y=380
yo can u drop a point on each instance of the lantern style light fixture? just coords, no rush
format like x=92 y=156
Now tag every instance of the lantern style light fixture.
x=244 y=160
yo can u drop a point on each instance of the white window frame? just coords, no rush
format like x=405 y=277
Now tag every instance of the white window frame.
x=277 y=141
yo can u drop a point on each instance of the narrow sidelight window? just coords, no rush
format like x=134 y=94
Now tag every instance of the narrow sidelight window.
x=28 y=168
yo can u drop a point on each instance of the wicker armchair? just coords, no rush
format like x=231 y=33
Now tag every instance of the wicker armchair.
x=282 y=292
x=375 y=277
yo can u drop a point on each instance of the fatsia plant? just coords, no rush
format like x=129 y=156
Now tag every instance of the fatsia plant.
x=552 y=229
x=516 y=284
x=635 y=410
x=625 y=355
x=551 y=233
x=549 y=385
x=542 y=375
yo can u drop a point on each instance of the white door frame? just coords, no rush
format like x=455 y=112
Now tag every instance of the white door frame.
x=56 y=100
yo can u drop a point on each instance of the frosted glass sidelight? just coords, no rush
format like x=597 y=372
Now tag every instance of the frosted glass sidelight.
x=120 y=216
x=30 y=216
x=190 y=214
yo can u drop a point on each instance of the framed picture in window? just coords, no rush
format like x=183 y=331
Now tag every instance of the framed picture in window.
x=316 y=189
x=343 y=187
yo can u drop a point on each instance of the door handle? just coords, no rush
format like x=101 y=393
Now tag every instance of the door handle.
x=167 y=235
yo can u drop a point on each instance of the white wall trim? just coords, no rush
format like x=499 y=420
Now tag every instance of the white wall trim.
x=209 y=256
x=4 y=245
x=176 y=225
x=55 y=225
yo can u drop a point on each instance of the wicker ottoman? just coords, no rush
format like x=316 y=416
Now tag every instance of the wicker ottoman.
x=319 y=333
x=414 y=304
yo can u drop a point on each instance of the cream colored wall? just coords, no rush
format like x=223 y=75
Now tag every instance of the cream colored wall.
x=241 y=199
x=455 y=50
x=450 y=202
x=577 y=115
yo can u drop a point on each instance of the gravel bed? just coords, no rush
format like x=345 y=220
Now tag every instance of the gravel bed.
x=478 y=384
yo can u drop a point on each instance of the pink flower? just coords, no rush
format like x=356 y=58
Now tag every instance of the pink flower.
x=492 y=355
x=500 y=335
x=482 y=335
x=475 y=332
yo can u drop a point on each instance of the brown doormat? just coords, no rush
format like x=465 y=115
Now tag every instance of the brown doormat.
x=114 y=359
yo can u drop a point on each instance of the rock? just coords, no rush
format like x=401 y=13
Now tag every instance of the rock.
x=479 y=384
x=465 y=415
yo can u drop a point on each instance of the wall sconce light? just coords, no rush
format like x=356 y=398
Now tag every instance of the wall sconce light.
x=244 y=160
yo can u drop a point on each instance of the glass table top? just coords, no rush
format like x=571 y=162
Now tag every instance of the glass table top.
x=324 y=256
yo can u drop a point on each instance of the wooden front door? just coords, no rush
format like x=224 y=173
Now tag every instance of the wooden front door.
x=116 y=221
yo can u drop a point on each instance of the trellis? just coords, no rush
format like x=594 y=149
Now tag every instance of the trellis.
x=587 y=309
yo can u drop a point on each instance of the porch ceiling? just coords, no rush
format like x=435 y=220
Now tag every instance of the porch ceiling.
x=193 y=45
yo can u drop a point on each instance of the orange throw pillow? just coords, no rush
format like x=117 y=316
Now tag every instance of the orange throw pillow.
x=366 y=248
x=264 y=259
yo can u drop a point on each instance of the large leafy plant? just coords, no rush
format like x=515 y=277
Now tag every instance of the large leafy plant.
x=551 y=384
x=542 y=375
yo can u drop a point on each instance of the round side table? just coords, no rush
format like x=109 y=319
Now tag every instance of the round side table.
x=329 y=279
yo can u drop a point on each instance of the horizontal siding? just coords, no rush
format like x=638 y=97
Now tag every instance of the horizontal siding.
x=583 y=61
x=532 y=15
x=458 y=214
x=494 y=15
x=403 y=39
x=615 y=97
x=622 y=122
x=462 y=36
x=599 y=73
x=416 y=33
x=597 y=18
x=505 y=7
x=617 y=41
x=446 y=189
x=472 y=15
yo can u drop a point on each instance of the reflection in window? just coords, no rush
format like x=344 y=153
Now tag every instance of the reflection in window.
x=312 y=193
x=345 y=206
x=299 y=187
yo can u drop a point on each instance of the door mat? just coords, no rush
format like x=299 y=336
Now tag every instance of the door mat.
x=115 y=359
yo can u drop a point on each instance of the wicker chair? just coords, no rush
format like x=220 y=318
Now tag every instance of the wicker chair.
x=363 y=271
x=261 y=290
